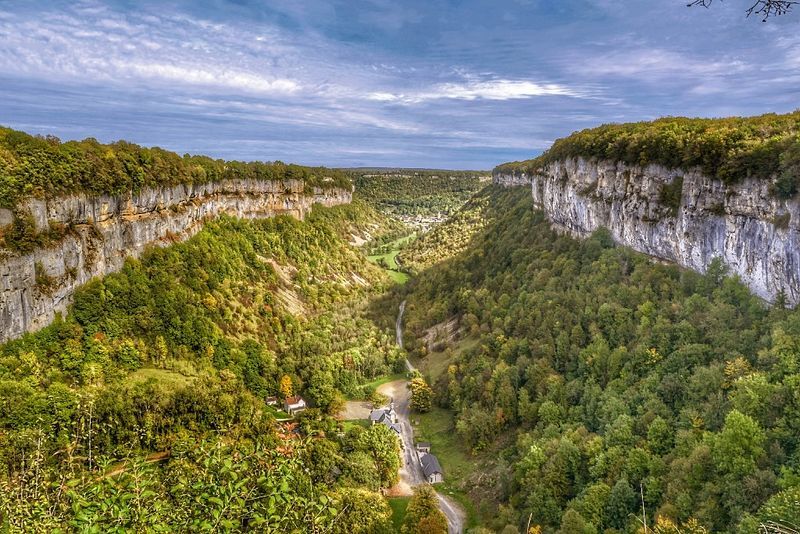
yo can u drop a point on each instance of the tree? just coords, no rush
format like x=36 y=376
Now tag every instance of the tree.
x=574 y=523
x=423 y=515
x=362 y=512
x=783 y=507
x=621 y=502
x=382 y=444
x=760 y=8
x=737 y=447
x=286 y=386
x=421 y=395
x=659 y=436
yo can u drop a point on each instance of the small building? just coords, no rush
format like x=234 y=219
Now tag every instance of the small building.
x=423 y=447
x=431 y=468
x=293 y=405
x=383 y=415
x=272 y=401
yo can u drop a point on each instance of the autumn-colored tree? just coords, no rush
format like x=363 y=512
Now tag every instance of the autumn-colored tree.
x=423 y=515
x=421 y=395
x=286 y=386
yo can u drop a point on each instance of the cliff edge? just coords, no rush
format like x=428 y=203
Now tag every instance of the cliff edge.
x=92 y=236
x=679 y=215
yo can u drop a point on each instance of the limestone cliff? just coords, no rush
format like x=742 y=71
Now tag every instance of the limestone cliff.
x=677 y=215
x=100 y=232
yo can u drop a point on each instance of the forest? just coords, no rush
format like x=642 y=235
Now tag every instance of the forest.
x=145 y=408
x=44 y=166
x=591 y=385
x=412 y=193
x=730 y=149
x=573 y=386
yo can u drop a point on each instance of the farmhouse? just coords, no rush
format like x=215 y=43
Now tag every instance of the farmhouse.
x=293 y=405
x=383 y=415
x=431 y=468
x=387 y=417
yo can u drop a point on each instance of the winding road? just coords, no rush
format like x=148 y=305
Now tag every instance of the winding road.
x=411 y=471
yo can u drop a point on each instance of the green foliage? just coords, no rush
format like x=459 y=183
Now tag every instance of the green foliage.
x=421 y=395
x=730 y=149
x=423 y=515
x=44 y=166
x=44 y=282
x=596 y=370
x=738 y=446
x=412 y=193
x=783 y=507
x=206 y=486
x=671 y=195
x=362 y=512
x=185 y=344
x=447 y=239
x=384 y=447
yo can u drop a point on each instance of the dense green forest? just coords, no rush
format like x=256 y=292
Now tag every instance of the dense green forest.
x=730 y=149
x=445 y=240
x=145 y=408
x=412 y=193
x=592 y=380
x=44 y=166
x=576 y=382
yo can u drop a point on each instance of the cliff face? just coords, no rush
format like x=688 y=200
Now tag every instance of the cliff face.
x=677 y=215
x=102 y=231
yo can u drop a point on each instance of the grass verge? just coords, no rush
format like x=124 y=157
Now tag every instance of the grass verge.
x=438 y=428
x=399 y=506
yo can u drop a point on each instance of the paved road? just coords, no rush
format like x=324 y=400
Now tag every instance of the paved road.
x=398 y=327
x=411 y=471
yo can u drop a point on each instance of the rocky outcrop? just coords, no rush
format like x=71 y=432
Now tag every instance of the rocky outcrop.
x=512 y=179
x=99 y=233
x=678 y=215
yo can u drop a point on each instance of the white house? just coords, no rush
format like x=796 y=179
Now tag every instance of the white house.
x=293 y=405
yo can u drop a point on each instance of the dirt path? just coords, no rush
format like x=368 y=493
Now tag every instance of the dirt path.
x=411 y=470
x=355 y=410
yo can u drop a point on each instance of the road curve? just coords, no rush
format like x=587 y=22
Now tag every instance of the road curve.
x=411 y=471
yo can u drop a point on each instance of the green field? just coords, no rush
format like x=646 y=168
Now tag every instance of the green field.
x=391 y=259
x=347 y=425
x=398 y=505
x=167 y=376
x=277 y=413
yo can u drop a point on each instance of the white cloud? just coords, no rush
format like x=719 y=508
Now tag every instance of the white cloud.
x=649 y=64
x=174 y=52
x=219 y=77
x=500 y=89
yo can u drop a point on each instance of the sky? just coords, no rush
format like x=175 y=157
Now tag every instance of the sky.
x=461 y=84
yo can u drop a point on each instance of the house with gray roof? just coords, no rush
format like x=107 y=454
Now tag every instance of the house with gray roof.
x=383 y=415
x=431 y=468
